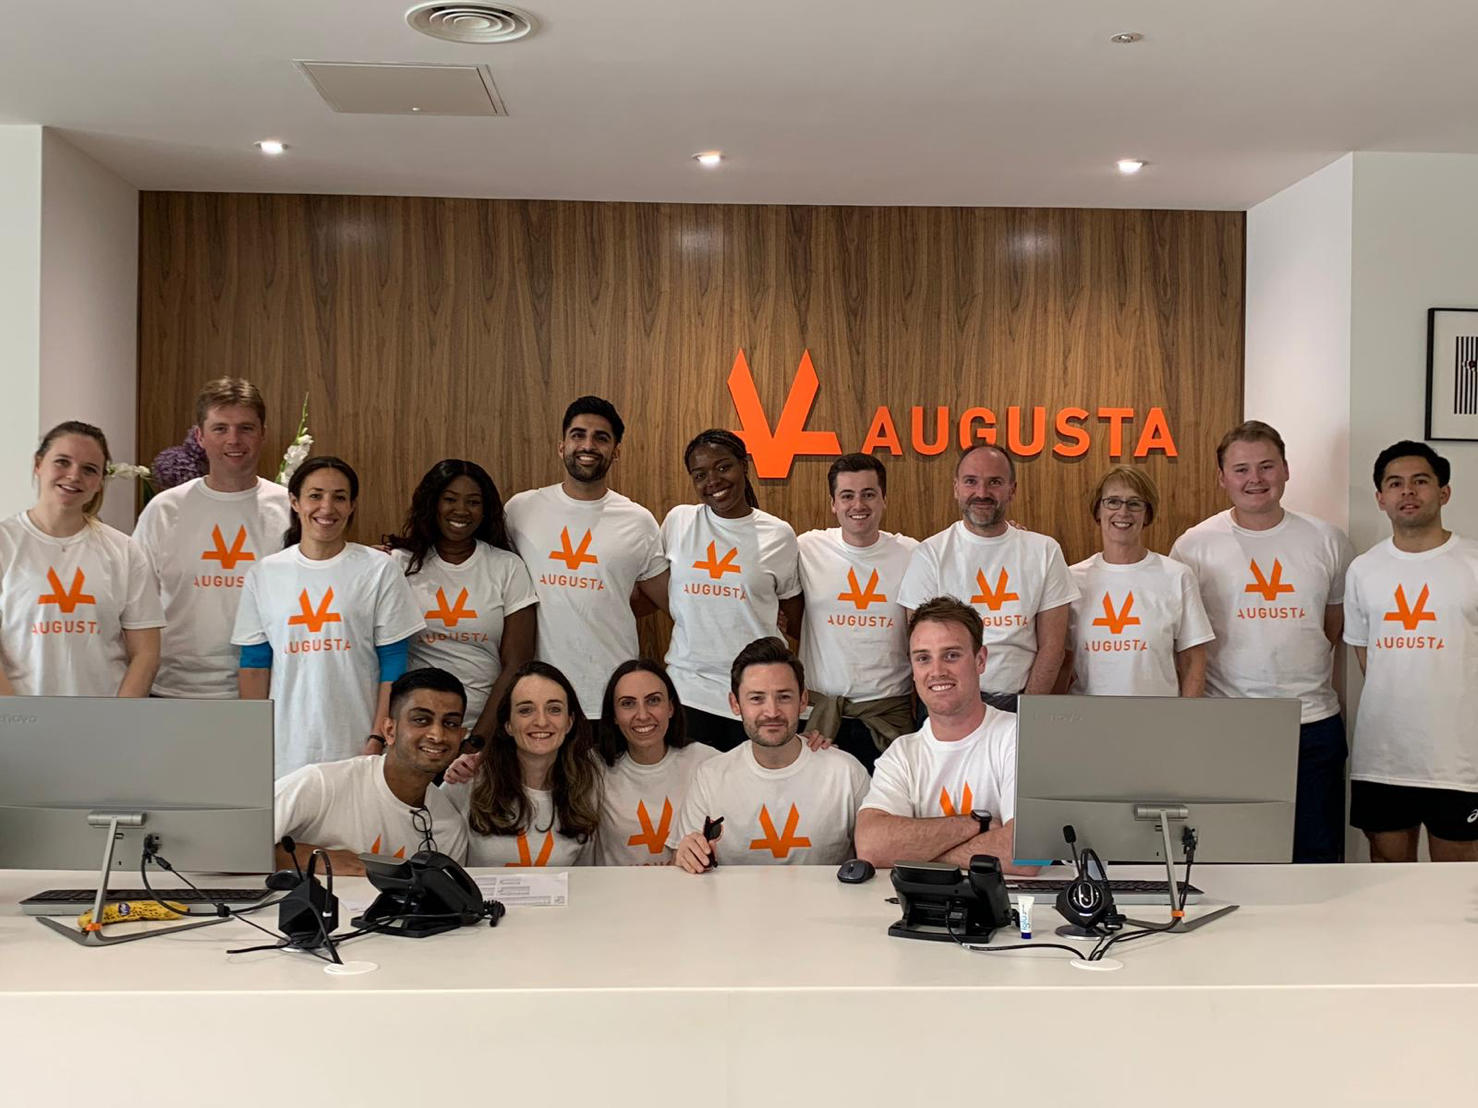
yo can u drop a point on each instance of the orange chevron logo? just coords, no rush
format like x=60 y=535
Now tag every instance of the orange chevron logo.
x=993 y=598
x=63 y=599
x=228 y=557
x=454 y=614
x=1117 y=621
x=653 y=838
x=314 y=619
x=862 y=598
x=948 y=807
x=1409 y=617
x=716 y=568
x=1270 y=588
x=376 y=848
x=525 y=856
x=573 y=558
x=773 y=450
x=782 y=844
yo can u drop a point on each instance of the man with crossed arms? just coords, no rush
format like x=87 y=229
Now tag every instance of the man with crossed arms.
x=948 y=791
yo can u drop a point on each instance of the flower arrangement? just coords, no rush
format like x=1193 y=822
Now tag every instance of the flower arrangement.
x=297 y=452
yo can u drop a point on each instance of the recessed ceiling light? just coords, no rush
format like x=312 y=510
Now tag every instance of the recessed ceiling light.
x=415 y=109
x=1124 y=38
x=1130 y=165
x=271 y=146
x=709 y=158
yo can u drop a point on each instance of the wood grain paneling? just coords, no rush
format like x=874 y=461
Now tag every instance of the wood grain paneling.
x=426 y=328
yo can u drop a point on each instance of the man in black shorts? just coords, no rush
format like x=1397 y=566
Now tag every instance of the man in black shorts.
x=1411 y=613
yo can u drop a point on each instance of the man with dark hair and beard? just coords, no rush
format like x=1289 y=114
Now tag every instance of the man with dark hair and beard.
x=1017 y=580
x=588 y=549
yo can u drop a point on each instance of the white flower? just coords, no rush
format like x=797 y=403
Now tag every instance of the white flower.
x=128 y=472
x=295 y=455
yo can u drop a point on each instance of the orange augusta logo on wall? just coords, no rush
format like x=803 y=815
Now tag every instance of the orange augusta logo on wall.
x=933 y=429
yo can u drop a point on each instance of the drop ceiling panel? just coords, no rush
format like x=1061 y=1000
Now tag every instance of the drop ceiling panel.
x=374 y=88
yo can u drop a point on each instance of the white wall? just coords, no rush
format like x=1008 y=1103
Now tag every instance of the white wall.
x=89 y=305
x=20 y=311
x=1415 y=247
x=1298 y=333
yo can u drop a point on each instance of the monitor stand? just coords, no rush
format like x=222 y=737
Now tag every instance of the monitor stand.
x=1178 y=921
x=92 y=934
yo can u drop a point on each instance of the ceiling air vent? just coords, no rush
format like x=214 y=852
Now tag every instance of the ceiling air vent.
x=470 y=22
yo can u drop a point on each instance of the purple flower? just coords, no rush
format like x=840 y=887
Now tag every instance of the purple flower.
x=174 y=465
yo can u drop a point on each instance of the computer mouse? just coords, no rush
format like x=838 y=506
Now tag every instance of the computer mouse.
x=855 y=871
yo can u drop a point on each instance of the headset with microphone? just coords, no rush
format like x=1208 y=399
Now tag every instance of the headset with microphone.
x=309 y=913
x=1087 y=901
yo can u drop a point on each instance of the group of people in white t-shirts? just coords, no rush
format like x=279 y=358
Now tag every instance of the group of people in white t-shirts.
x=495 y=649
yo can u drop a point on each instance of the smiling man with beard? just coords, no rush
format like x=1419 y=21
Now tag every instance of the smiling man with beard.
x=383 y=804
x=587 y=549
x=1016 y=580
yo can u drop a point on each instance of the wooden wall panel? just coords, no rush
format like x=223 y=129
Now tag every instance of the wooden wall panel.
x=425 y=328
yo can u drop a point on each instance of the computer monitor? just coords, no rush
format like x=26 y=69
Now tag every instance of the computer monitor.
x=198 y=773
x=1106 y=764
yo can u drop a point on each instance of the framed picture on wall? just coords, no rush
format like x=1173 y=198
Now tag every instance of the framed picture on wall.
x=1452 y=373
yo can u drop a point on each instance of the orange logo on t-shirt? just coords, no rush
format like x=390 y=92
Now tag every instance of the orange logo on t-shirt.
x=228 y=557
x=993 y=598
x=782 y=844
x=653 y=838
x=376 y=848
x=575 y=557
x=526 y=857
x=1117 y=621
x=315 y=619
x=862 y=598
x=948 y=807
x=1270 y=588
x=453 y=615
x=717 y=568
x=66 y=600
x=1409 y=617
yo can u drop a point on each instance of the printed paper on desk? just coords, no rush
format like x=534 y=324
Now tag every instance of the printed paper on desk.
x=526 y=889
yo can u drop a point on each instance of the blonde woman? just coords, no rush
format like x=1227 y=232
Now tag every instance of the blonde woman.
x=79 y=609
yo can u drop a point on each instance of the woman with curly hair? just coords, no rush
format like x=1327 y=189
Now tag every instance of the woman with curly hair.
x=535 y=798
x=476 y=593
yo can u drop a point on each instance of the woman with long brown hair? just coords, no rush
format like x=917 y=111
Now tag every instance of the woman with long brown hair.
x=535 y=798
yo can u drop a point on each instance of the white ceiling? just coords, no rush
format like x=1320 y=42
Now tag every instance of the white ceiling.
x=970 y=102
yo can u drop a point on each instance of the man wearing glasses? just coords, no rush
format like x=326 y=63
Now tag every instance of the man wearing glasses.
x=1017 y=580
x=1273 y=585
x=1138 y=627
x=382 y=804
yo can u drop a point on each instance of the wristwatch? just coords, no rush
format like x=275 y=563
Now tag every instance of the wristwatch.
x=983 y=815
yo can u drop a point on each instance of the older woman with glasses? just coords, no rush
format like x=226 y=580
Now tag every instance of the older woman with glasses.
x=1138 y=627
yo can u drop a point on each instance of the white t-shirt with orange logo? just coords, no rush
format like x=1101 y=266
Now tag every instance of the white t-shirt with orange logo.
x=640 y=804
x=347 y=805
x=1128 y=623
x=64 y=605
x=464 y=606
x=585 y=557
x=854 y=639
x=1265 y=592
x=1008 y=580
x=802 y=815
x=728 y=578
x=200 y=544
x=1417 y=617
x=540 y=845
x=920 y=777
x=324 y=620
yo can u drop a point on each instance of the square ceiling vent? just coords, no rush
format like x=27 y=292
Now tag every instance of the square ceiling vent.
x=382 y=88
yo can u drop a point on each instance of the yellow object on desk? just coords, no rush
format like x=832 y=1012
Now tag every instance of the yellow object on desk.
x=130 y=911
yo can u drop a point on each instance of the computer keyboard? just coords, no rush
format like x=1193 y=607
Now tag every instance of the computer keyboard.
x=1125 y=891
x=72 y=902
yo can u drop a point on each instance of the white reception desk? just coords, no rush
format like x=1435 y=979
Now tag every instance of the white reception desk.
x=1347 y=985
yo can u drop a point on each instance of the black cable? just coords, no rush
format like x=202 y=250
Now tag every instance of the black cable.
x=949 y=926
x=1188 y=842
